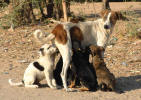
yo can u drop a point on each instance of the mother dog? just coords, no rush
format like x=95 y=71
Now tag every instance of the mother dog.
x=89 y=32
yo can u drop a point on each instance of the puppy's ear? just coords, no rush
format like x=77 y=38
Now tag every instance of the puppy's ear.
x=90 y=58
x=93 y=49
x=41 y=50
x=120 y=16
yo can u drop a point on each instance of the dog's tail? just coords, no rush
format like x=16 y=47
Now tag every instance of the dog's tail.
x=43 y=37
x=15 y=84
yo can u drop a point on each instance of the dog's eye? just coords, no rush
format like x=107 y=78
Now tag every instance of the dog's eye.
x=41 y=49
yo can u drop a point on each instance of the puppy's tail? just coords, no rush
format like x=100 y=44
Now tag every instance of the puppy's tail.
x=15 y=84
x=43 y=37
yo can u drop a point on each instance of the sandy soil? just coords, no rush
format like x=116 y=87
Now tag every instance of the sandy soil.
x=18 y=49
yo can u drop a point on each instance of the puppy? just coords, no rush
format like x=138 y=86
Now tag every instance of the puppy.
x=106 y=80
x=82 y=71
x=40 y=69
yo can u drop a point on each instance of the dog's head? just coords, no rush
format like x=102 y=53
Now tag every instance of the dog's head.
x=110 y=17
x=47 y=49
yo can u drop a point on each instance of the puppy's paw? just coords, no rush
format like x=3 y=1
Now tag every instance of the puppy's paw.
x=58 y=87
x=31 y=86
x=36 y=86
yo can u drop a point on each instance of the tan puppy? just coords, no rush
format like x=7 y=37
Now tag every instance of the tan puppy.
x=105 y=79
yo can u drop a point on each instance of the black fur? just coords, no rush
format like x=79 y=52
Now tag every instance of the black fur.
x=38 y=66
x=57 y=72
x=84 y=70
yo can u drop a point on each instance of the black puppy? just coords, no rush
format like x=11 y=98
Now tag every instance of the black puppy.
x=83 y=70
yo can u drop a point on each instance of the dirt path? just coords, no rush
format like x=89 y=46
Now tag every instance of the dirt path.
x=18 y=49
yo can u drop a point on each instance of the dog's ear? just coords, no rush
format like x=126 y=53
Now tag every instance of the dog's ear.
x=120 y=16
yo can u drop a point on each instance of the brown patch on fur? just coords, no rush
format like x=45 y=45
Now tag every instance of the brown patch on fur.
x=77 y=19
x=83 y=89
x=76 y=34
x=120 y=16
x=74 y=20
x=72 y=84
x=60 y=34
x=105 y=78
x=104 y=14
x=114 y=16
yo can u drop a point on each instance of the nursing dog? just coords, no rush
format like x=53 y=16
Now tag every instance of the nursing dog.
x=40 y=69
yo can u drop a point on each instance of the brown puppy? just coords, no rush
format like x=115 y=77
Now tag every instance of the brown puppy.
x=105 y=79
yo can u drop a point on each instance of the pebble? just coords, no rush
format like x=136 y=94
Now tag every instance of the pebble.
x=10 y=67
x=6 y=73
x=110 y=46
x=5 y=49
x=124 y=64
x=22 y=61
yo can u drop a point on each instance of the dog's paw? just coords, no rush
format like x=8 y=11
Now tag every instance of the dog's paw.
x=70 y=90
x=35 y=86
x=53 y=87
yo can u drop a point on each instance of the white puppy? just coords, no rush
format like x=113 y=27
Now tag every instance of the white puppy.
x=40 y=69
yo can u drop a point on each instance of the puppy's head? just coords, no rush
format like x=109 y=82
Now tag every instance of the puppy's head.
x=96 y=50
x=47 y=49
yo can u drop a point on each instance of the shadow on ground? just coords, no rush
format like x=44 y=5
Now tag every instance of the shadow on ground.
x=129 y=83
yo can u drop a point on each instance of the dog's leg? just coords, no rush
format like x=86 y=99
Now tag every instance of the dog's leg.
x=29 y=82
x=54 y=83
x=66 y=53
x=64 y=74
x=49 y=78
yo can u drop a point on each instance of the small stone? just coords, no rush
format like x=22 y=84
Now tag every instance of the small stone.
x=10 y=67
x=6 y=73
x=110 y=46
x=124 y=64
x=22 y=61
x=5 y=49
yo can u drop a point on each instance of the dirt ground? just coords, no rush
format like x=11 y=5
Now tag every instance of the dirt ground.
x=18 y=49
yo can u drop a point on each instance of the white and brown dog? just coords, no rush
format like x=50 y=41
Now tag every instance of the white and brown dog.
x=40 y=69
x=89 y=32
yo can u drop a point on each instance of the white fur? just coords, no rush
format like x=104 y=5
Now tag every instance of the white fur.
x=107 y=22
x=93 y=33
x=32 y=73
